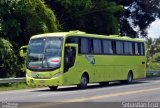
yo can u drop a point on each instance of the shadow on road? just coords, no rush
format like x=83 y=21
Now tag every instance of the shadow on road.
x=92 y=86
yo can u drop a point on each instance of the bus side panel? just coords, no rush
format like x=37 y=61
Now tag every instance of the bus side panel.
x=117 y=67
x=105 y=68
x=74 y=74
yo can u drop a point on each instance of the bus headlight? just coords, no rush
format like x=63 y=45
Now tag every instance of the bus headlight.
x=57 y=74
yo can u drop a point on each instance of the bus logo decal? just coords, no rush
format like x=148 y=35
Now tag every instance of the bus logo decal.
x=91 y=59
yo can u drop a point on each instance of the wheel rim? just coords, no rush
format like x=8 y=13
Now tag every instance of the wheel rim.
x=84 y=80
x=130 y=78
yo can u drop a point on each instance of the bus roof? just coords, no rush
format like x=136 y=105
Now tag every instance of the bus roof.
x=84 y=34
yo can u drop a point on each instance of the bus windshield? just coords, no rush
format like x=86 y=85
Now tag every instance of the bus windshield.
x=44 y=53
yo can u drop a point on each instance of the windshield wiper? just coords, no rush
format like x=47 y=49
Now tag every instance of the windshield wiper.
x=45 y=58
x=46 y=61
x=42 y=60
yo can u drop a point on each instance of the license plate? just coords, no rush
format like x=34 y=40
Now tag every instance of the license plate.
x=42 y=81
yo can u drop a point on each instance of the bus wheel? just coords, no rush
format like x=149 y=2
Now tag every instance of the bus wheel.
x=84 y=82
x=104 y=83
x=53 y=87
x=130 y=78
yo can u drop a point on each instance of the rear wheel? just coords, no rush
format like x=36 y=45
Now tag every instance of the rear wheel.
x=84 y=82
x=53 y=88
x=129 y=78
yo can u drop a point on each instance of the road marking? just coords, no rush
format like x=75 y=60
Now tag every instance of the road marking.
x=42 y=105
x=113 y=95
x=21 y=90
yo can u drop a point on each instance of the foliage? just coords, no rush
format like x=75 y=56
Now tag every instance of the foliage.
x=21 y=19
x=153 y=53
x=156 y=57
x=14 y=86
x=137 y=16
x=153 y=65
x=91 y=16
x=8 y=59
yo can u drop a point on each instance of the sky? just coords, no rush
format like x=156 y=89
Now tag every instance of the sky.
x=154 y=29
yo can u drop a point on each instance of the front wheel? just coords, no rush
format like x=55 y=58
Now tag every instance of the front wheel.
x=84 y=82
x=52 y=88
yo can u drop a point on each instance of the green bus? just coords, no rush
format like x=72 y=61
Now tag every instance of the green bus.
x=79 y=58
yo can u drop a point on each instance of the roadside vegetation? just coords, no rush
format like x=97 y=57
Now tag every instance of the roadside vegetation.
x=14 y=86
x=153 y=54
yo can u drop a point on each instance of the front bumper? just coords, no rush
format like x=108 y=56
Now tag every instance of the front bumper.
x=44 y=82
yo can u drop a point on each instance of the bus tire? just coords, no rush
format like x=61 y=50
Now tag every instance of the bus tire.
x=129 y=78
x=84 y=82
x=52 y=88
x=104 y=83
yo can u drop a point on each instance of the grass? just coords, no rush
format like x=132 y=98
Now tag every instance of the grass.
x=14 y=86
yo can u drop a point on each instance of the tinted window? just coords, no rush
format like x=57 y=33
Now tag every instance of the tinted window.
x=136 y=49
x=142 y=48
x=119 y=47
x=90 y=45
x=128 y=48
x=84 y=45
x=97 y=46
x=107 y=47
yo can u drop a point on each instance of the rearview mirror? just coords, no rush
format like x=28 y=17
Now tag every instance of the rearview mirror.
x=23 y=51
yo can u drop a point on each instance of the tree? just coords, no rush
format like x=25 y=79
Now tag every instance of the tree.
x=137 y=16
x=20 y=19
x=8 y=59
x=92 y=16
x=156 y=57
x=153 y=55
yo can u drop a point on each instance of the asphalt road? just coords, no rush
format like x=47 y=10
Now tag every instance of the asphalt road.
x=147 y=90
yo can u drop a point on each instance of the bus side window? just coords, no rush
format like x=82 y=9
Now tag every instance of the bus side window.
x=90 y=45
x=107 y=47
x=119 y=47
x=136 y=49
x=128 y=48
x=142 y=48
x=114 y=46
x=97 y=46
x=84 y=48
